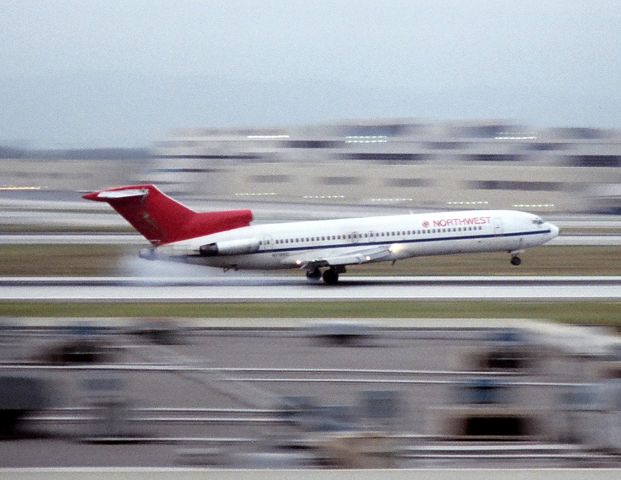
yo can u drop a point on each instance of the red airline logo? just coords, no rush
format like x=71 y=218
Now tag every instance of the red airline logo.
x=459 y=222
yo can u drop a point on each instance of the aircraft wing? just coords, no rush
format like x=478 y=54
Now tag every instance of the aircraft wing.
x=351 y=257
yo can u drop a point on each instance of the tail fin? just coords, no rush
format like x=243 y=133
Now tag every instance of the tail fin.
x=161 y=220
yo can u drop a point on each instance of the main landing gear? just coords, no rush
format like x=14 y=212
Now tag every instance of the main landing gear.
x=313 y=275
x=329 y=276
x=515 y=260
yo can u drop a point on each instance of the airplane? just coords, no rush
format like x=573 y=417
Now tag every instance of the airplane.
x=322 y=248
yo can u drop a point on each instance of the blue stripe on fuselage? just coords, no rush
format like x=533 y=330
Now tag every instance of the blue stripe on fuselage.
x=417 y=240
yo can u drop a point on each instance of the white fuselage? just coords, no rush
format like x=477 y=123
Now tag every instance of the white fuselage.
x=283 y=245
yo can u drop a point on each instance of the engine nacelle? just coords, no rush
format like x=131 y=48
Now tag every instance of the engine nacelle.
x=230 y=247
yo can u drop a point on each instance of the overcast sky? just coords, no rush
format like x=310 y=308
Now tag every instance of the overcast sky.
x=124 y=73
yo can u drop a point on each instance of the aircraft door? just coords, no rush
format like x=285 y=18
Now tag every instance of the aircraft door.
x=498 y=229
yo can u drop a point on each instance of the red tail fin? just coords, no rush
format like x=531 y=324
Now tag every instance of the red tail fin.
x=160 y=219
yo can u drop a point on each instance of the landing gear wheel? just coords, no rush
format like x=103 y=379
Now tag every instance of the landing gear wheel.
x=313 y=275
x=330 y=277
x=516 y=261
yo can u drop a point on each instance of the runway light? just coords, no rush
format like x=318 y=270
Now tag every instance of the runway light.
x=322 y=197
x=16 y=188
x=533 y=205
x=255 y=194
x=515 y=136
x=366 y=139
x=267 y=137
x=391 y=200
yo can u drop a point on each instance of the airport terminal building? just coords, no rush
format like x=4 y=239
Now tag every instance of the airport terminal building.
x=410 y=163
x=477 y=164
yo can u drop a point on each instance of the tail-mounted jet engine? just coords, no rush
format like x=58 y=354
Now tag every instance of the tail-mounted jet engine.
x=230 y=247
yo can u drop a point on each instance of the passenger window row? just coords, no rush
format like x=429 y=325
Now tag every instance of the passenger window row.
x=372 y=235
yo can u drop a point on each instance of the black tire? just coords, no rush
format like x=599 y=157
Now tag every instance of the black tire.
x=330 y=277
x=516 y=261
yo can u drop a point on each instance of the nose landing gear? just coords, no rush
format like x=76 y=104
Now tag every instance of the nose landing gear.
x=515 y=260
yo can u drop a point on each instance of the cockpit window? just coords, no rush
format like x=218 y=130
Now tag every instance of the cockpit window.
x=538 y=221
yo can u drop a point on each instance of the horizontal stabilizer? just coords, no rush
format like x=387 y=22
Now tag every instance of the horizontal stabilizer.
x=114 y=194
x=162 y=220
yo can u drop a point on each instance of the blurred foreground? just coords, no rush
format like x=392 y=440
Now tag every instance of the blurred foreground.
x=327 y=394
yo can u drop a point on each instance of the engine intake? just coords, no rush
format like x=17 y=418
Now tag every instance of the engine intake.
x=230 y=247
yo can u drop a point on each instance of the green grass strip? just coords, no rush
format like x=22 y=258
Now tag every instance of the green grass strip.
x=599 y=313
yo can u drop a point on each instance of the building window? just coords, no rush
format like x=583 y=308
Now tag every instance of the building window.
x=386 y=157
x=339 y=180
x=595 y=161
x=270 y=178
x=311 y=144
x=511 y=185
x=493 y=157
x=407 y=182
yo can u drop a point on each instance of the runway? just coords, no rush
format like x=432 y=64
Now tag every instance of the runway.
x=289 y=288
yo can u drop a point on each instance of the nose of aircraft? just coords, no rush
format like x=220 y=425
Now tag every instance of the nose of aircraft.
x=554 y=230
